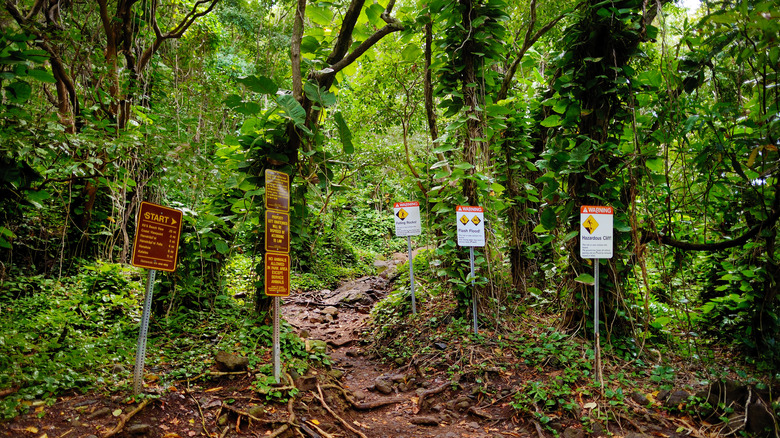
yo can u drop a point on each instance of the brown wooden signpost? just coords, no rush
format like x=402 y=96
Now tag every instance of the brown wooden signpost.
x=156 y=247
x=277 y=247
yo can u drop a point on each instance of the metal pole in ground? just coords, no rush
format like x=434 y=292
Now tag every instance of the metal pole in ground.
x=277 y=349
x=140 y=352
x=411 y=273
x=473 y=290
x=596 y=321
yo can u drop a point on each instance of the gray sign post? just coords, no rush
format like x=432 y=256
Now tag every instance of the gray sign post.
x=156 y=247
x=596 y=228
x=470 y=222
x=407 y=223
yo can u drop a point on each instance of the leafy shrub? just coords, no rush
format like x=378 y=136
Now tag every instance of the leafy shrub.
x=371 y=230
x=63 y=334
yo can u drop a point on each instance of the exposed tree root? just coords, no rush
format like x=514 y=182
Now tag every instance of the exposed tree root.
x=365 y=406
x=125 y=418
x=432 y=391
x=321 y=399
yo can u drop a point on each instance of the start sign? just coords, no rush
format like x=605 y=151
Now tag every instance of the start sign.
x=471 y=225
x=596 y=232
x=156 y=244
x=407 y=219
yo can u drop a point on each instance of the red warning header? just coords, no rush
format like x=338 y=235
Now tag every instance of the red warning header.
x=469 y=209
x=592 y=209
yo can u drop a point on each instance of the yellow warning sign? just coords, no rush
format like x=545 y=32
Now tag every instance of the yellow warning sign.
x=475 y=220
x=402 y=214
x=590 y=224
x=464 y=220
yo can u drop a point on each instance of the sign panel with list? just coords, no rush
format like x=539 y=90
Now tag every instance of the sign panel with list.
x=156 y=244
x=277 y=190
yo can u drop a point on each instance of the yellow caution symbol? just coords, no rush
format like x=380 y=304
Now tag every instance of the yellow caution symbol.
x=402 y=214
x=475 y=220
x=590 y=224
x=464 y=220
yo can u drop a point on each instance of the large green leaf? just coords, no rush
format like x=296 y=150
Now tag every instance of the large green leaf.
x=321 y=15
x=551 y=121
x=319 y=95
x=309 y=44
x=18 y=92
x=344 y=133
x=42 y=75
x=374 y=14
x=411 y=52
x=259 y=84
x=549 y=218
x=293 y=111
x=586 y=279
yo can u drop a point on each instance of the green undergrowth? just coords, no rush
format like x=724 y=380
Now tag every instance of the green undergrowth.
x=80 y=333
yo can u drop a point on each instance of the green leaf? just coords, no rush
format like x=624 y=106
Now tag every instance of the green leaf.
x=494 y=110
x=42 y=75
x=344 y=133
x=20 y=91
x=36 y=197
x=293 y=111
x=259 y=84
x=549 y=218
x=411 y=52
x=497 y=188
x=655 y=164
x=309 y=44
x=319 y=95
x=321 y=15
x=551 y=121
x=221 y=246
x=374 y=14
x=585 y=279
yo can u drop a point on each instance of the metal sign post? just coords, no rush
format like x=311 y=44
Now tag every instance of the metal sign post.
x=470 y=222
x=407 y=223
x=156 y=247
x=473 y=290
x=411 y=273
x=277 y=246
x=277 y=349
x=596 y=228
x=140 y=352
x=596 y=320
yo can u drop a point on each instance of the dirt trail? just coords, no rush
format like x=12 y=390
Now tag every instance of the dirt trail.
x=340 y=318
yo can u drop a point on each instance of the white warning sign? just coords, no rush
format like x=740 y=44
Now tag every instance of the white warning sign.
x=407 y=219
x=596 y=232
x=471 y=225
